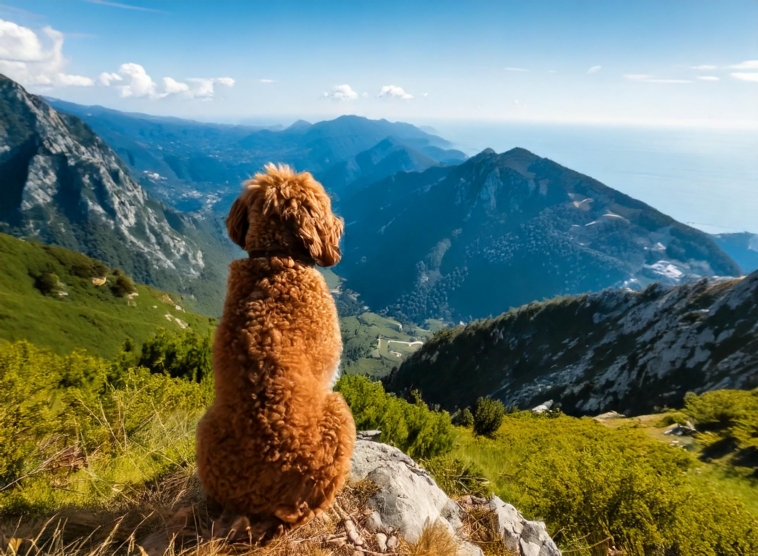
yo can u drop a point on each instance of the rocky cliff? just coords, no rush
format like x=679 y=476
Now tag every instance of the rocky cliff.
x=615 y=350
x=61 y=184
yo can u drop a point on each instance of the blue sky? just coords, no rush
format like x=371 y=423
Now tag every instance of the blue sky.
x=660 y=63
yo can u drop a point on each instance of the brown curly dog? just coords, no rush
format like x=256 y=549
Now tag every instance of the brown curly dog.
x=275 y=446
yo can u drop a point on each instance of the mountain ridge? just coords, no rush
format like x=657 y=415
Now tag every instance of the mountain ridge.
x=616 y=350
x=514 y=225
x=62 y=184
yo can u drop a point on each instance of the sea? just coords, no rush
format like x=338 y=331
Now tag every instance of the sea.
x=707 y=178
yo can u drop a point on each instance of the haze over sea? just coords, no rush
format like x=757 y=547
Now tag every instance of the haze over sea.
x=705 y=177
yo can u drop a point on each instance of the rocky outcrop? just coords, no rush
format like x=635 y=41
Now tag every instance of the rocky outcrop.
x=407 y=499
x=60 y=183
x=614 y=350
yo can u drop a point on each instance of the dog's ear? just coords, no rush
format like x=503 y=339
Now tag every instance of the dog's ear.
x=321 y=236
x=237 y=221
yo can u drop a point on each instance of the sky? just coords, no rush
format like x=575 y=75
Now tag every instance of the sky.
x=667 y=63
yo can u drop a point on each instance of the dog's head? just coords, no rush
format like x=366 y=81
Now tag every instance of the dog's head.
x=284 y=211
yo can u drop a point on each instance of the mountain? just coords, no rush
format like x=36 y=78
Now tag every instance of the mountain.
x=62 y=300
x=743 y=248
x=62 y=184
x=615 y=350
x=194 y=165
x=386 y=158
x=501 y=230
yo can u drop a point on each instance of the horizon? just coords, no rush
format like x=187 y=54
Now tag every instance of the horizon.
x=656 y=64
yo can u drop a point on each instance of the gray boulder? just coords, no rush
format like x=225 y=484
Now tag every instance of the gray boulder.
x=408 y=499
x=527 y=538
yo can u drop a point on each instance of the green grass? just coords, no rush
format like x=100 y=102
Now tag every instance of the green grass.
x=591 y=482
x=88 y=316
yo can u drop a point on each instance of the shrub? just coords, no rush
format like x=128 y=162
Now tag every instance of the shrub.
x=128 y=424
x=466 y=418
x=488 y=416
x=731 y=416
x=412 y=427
x=48 y=283
x=123 y=286
x=184 y=355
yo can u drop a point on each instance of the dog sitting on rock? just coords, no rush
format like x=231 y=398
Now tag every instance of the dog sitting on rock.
x=275 y=446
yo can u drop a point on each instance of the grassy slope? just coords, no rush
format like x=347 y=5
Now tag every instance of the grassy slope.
x=89 y=317
x=731 y=478
x=503 y=458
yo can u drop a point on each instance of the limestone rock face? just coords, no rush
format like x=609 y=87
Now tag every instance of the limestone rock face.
x=408 y=498
x=61 y=184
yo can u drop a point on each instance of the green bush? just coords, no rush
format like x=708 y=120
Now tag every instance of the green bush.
x=123 y=286
x=128 y=424
x=729 y=417
x=466 y=418
x=488 y=415
x=595 y=486
x=412 y=427
x=48 y=283
x=186 y=354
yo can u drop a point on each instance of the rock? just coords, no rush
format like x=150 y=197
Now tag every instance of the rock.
x=369 y=435
x=408 y=497
x=469 y=549
x=381 y=541
x=682 y=430
x=527 y=538
x=543 y=407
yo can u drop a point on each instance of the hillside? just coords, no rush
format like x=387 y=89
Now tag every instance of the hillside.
x=194 y=165
x=501 y=230
x=615 y=350
x=62 y=184
x=64 y=301
x=743 y=248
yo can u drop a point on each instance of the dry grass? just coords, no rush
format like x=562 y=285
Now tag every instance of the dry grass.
x=435 y=540
x=170 y=519
x=480 y=527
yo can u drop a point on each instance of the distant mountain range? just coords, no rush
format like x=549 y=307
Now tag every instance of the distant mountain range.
x=616 y=350
x=501 y=230
x=743 y=248
x=194 y=165
x=61 y=184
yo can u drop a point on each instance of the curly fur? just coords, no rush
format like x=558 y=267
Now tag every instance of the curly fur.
x=276 y=443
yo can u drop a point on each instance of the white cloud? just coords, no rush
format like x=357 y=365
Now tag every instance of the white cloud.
x=30 y=61
x=227 y=81
x=704 y=67
x=594 y=69
x=708 y=78
x=424 y=95
x=341 y=92
x=364 y=95
x=267 y=80
x=746 y=76
x=645 y=78
x=108 y=78
x=393 y=91
x=515 y=69
x=173 y=87
x=140 y=83
x=746 y=65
